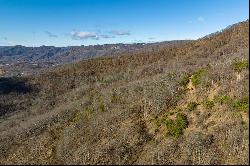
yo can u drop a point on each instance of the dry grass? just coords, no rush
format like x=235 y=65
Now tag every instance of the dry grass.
x=105 y=110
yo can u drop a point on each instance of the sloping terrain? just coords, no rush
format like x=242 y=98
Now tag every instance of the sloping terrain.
x=185 y=104
x=21 y=61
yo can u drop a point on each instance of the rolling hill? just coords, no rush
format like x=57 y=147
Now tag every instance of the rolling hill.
x=179 y=104
x=21 y=61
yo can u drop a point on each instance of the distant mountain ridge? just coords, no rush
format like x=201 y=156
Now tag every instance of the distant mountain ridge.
x=23 y=60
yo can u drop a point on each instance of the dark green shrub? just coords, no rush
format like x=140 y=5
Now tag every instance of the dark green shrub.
x=196 y=77
x=238 y=66
x=181 y=120
x=184 y=80
x=223 y=99
x=242 y=104
x=191 y=106
x=176 y=127
x=208 y=104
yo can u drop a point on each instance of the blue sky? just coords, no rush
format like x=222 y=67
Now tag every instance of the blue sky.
x=89 y=22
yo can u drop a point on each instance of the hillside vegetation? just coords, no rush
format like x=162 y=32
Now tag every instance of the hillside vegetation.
x=22 y=61
x=185 y=104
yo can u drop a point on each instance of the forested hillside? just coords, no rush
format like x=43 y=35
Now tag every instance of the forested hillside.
x=22 y=61
x=180 y=104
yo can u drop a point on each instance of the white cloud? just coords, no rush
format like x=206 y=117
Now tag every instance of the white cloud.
x=201 y=19
x=107 y=36
x=81 y=35
x=120 y=33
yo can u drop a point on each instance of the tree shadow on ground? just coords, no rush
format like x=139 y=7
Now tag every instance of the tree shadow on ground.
x=15 y=95
x=18 y=85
